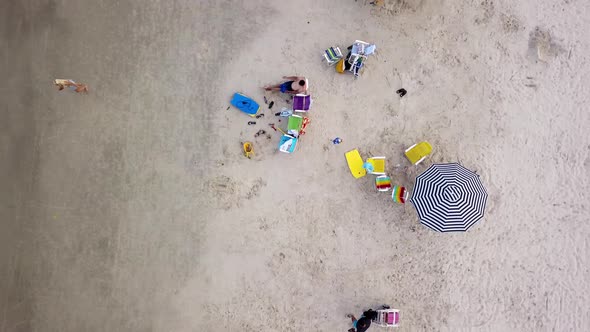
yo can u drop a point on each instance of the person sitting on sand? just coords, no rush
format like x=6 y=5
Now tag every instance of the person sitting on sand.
x=362 y=324
x=294 y=85
x=67 y=83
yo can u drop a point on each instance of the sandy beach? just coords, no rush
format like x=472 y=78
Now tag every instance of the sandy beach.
x=132 y=208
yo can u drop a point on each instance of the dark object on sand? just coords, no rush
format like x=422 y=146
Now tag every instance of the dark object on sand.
x=265 y=100
x=260 y=116
x=260 y=132
x=228 y=108
x=251 y=122
x=271 y=104
x=278 y=114
x=401 y=92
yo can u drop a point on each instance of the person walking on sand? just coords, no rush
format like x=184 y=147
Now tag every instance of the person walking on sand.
x=362 y=324
x=67 y=83
x=294 y=85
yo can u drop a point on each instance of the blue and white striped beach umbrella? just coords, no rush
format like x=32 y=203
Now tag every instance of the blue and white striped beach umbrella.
x=449 y=198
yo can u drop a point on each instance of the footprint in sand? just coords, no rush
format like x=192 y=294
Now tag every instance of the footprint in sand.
x=542 y=46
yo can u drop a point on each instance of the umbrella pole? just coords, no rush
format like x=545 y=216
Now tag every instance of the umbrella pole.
x=277 y=128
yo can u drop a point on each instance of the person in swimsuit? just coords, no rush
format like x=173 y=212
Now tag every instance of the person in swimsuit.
x=362 y=324
x=294 y=85
x=67 y=83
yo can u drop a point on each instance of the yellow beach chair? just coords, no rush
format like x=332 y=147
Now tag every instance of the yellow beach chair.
x=355 y=163
x=378 y=164
x=418 y=152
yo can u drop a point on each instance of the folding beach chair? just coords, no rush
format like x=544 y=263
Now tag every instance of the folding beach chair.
x=387 y=318
x=301 y=103
x=332 y=55
x=360 y=47
x=399 y=194
x=294 y=125
x=357 y=66
x=378 y=164
x=355 y=163
x=355 y=63
x=358 y=55
x=383 y=183
x=418 y=152
x=287 y=144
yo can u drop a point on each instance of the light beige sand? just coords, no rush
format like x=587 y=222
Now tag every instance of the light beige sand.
x=296 y=242
x=132 y=208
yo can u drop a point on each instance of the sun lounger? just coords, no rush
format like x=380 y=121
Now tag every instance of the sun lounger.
x=383 y=183
x=418 y=152
x=355 y=163
x=378 y=164
x=301 y=103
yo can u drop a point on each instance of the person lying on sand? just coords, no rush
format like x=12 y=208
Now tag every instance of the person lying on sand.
x=67 y=83
x=362 y=324
x=294 y=85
